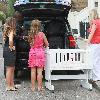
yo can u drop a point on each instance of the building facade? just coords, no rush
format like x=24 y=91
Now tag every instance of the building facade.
x=78 y=5
x=80 y=12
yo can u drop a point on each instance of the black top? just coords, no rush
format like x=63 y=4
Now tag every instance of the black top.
x=9 y=56
x=7 y=41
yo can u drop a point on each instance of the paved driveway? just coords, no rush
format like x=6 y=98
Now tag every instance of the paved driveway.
x=64 y=90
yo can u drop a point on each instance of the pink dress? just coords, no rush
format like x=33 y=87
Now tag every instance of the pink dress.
x=37 y=53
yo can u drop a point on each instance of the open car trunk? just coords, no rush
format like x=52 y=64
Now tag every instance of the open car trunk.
x=42 y=9
x=53 y=18
x=54 y=24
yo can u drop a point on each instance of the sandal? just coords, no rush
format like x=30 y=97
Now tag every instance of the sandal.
x=11 y=89
x=7 y=89
x=91 y=81
x=96 y=86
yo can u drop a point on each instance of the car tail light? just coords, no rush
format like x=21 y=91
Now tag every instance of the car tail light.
x=72 y=42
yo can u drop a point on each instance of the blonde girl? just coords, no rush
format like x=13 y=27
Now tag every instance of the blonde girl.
x=38 y=41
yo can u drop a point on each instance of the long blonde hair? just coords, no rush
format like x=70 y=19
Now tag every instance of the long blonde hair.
x=34 y=29
x=93 y=15
x=9 y=25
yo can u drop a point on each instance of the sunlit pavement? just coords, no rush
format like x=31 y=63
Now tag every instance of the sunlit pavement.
x=64 y=89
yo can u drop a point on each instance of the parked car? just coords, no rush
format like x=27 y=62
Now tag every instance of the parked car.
x=55 y=25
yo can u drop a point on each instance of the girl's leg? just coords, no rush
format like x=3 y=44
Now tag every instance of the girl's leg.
x=39 y=78
x=33 y=78
x=8 y=77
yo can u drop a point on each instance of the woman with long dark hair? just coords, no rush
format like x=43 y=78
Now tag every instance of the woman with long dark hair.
x=9 y=53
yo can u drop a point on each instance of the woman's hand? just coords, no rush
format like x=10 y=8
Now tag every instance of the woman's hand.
x=87 y=44
x=12 y=48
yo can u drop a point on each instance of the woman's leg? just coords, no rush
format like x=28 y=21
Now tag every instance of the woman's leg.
x=33 y=78
x=39 y=78
x=8 y=76
x=12 y=76
x=95 y=55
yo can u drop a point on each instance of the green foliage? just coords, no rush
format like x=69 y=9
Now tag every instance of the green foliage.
x=10 y=9
x=3 y=7
x=2 y=16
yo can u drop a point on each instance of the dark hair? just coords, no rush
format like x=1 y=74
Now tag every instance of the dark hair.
x=17 y=15
x=9 y=25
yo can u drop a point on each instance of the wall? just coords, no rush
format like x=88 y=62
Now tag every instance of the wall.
x=76 y=17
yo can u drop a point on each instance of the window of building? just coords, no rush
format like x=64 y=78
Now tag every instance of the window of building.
x=96 y=4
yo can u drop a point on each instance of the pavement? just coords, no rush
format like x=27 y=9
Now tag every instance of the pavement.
x=64 y=89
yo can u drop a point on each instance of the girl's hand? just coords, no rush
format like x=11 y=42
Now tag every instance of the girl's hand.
x=47 y=48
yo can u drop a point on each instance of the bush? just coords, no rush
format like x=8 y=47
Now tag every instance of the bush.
x=10 y=8
x=2 y=16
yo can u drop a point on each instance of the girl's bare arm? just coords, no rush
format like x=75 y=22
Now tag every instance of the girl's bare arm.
x=46 y=41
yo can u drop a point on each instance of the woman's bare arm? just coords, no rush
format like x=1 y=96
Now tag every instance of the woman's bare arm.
x=11 y=36
x=93 y=28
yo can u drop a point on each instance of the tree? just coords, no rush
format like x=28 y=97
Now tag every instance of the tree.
x=3 y=7
x=10 y=9
x=2 y=16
